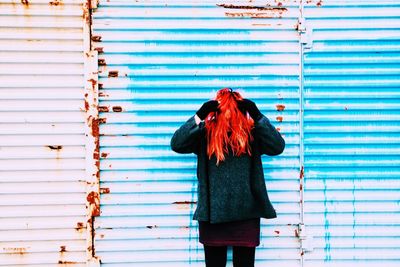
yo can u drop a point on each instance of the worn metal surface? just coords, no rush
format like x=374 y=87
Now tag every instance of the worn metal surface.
x=158 y=61
x=42 y=141
x=352 y=133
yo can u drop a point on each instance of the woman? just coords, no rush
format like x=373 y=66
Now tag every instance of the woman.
x=229 y=135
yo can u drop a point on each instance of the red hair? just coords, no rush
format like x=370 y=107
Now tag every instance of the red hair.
x=228 y=127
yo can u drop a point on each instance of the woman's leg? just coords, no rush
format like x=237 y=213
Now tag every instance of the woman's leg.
x=243 y=256
x=215 y=256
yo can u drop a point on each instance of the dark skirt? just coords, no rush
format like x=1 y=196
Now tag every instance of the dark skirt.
x=244 y=233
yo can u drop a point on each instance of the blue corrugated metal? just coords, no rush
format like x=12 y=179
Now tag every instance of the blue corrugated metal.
x=352 y=133
x=159 y=61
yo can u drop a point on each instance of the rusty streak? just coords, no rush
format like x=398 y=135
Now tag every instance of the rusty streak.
x=67 y=262
x=184 y=202
x=253 y=7
x=94 y=199
x=20 y=251
x=55 y=147
x=55 y=3
x=301 y=172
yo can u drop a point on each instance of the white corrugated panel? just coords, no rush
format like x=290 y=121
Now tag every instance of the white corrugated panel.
x=159 y=61
x=352 y=133
x=42 y=134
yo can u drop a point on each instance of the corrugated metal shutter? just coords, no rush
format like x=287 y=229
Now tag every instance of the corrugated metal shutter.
x=352 y=133
x=158 y=62
x=42 y=134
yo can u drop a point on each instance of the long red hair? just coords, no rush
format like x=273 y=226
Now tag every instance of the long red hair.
x=228 y=127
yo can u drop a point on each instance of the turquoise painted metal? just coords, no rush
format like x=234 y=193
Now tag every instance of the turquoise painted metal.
x=351 y=108
x=159 y=61
x=325 y=72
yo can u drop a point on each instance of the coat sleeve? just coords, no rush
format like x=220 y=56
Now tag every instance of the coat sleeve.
x=270 y=141
x=187 y=138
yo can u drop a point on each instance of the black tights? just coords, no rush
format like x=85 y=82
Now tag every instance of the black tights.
x=242 y=256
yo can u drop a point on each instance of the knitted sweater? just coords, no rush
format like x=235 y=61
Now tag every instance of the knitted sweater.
x=235 y=195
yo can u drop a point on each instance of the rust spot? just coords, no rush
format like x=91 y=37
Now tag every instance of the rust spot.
x=113 y=73
x=67 y=262
x=302 y=253
x=63 y=249
x=102 y=62
x=301 y=186
x=280 y=107
x=25 y=2
x=103 y=109
x=55 y=147
x=301 y=176
x=296 y=233
x=279 y=4
x=100 y=86
x=277 y=232
x=79 y=226
x=102 y=120
x=99 y=49
x=104 y=190
x=184 y=202
x=319 y=3
x=102 y=236
x=278 y=129
x=20 y=251
x=279 y=118
x=96 y=38
x=102 y=94
x=104 y=155
x=55 y=3
x=151 y=226
x=93 y=81
x=94 y=200
x=117 y=108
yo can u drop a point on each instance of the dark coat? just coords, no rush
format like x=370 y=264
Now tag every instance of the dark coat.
x=250 y=199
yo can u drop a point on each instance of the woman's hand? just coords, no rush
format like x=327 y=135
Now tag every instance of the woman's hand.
x=250 y=106
x=206 y=108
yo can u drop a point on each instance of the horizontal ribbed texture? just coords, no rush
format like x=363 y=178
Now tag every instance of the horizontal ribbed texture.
x=42 y=141
x=351 y=134
x=159 y=61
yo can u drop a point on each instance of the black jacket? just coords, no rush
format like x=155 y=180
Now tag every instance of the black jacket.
x=252 y=200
